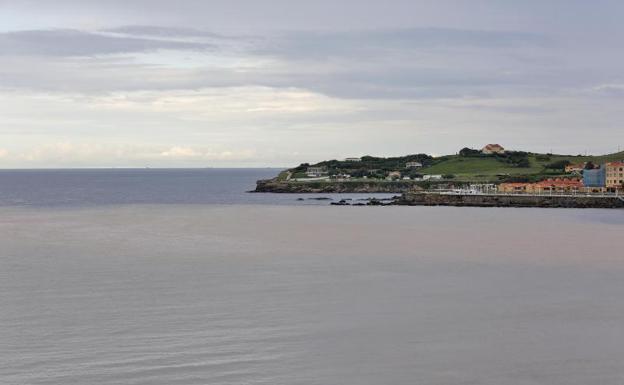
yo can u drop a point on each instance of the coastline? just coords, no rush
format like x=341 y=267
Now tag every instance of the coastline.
x=411 y=194
x=321 y=187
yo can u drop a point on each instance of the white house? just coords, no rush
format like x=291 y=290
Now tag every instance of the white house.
x=316 y=171
x=413 y=165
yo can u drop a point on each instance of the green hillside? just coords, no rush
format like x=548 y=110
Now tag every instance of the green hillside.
x=468 y=165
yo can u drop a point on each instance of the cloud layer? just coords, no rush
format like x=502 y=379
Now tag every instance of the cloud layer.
x=241 y=82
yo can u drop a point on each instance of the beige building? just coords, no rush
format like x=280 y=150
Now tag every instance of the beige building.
x=493 y=149
x=615 y=174
x=394 y=175
x=575 y=168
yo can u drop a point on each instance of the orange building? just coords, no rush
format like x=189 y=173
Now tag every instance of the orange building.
x=513 y=188
x=615 y=174
x=558 y=185
x=548 y=186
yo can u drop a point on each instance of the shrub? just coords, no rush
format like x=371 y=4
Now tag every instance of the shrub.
x=558 y=165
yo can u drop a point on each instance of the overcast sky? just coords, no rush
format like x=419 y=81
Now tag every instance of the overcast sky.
x=238 y=83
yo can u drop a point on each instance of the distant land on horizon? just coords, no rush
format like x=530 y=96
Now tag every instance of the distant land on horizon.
x=467 y=165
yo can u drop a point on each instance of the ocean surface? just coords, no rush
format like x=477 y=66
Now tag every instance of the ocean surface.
x=89 y=187
x=180 y=277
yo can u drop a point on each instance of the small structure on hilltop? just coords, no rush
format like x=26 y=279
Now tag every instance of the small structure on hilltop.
x=316 y=171
x=413 y=165
x=394 y=175
x=575 y=168
x=353 y=160
x=493 y=149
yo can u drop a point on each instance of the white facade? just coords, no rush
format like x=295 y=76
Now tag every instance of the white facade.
x=316 y=171
x=413 y=165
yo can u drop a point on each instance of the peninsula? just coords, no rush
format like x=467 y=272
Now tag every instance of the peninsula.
x=492 y=169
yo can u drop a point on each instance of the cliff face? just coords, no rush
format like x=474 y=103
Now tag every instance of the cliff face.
x=422 y=199
x=274 y=186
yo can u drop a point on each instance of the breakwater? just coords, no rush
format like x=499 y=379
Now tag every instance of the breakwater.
x=495 y=200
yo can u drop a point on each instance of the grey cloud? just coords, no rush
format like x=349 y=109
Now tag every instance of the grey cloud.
x=323 y=44
x=81 y=43
x=160 y=31
x=388 y=64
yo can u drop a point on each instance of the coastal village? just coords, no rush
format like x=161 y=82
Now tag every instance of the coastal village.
x=561 y=176
x=488 y=177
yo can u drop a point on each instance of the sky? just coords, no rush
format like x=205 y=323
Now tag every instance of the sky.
x=248 y=83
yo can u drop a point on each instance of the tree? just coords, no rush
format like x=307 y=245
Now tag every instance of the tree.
x=469 y=152
x=590 y=166
x=558 y=165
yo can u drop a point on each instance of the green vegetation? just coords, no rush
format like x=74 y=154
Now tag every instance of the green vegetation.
x=468 y=165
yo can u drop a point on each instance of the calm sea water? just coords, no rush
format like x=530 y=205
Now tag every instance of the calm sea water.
x=178 y=277
x=144 y=186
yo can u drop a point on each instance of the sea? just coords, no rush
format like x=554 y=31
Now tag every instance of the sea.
x=169 y=277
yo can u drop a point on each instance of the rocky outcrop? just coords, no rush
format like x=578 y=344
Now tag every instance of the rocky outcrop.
x=433 y=199
x=275 y=186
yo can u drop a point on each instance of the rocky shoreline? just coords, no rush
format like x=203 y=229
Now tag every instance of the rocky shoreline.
x=320 y=187
x=413 y=195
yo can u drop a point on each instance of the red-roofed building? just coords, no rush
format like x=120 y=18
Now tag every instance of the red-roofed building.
x=493 y=149
x=513 y=188
x=558 y=185
x=548 y=186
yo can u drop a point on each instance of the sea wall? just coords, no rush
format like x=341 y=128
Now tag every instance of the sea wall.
x=432 y=199
x=274 y=186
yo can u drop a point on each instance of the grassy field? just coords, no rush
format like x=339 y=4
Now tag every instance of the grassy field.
x=477 y=166
x=461 y=168
x=481 y=168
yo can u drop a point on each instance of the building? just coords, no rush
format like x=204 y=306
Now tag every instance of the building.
x=595 y=178
x=513 y=188
x=413 y=165
x=315 y=171
x=353 y=160
x=558 y=185
x=614 y=174
x=493 y=149
x=394 y=175
x=575 y=168
x=432 y=177
x=548 y=186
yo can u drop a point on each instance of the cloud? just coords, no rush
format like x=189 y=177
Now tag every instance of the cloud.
x=90 y=154
x=614 y=90
x=69 y=42
x=181 y=152
x=306 y=44
x=394 y=64
x=155 y=31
